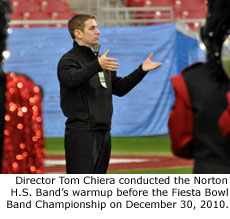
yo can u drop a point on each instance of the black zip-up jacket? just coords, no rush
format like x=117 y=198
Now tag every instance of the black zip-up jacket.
x=84 y=101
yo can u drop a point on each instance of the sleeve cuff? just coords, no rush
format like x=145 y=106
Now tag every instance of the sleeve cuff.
x=97 y=65
x=141 y=70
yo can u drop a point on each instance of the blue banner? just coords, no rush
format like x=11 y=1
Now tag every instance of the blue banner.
x=143 y=111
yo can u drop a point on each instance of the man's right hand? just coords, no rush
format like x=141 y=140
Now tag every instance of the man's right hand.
x=107 y=63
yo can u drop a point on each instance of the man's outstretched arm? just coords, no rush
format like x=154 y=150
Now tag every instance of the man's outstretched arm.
x=122 y=86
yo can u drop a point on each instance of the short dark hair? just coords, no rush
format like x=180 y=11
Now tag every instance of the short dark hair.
x=78 y=22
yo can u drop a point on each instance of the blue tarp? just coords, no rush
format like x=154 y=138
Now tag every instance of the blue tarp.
x=144 y=110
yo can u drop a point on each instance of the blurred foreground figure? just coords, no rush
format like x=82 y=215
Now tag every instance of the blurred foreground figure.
x=21 y=132
x=199 y=122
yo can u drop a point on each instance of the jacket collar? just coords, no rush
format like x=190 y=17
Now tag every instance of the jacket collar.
x=82 y=49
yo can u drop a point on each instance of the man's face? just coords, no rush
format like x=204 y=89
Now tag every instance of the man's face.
x=90 y=35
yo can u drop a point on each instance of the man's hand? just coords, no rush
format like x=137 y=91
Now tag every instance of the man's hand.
x=107 y=63
x=148 y=65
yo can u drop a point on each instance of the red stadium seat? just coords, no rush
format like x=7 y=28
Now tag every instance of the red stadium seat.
x=49 y=9
x=65 y=15
x=157 y=3
x=189 y=4
x=194 y=26
x=54 y=6
x=159 y=14
x=24 y=6
x=194 y=14
x=36 y=16
x=16 y=16
x=134 y=3
x=190 y=9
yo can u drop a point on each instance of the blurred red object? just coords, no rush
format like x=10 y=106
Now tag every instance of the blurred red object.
x=23 y=145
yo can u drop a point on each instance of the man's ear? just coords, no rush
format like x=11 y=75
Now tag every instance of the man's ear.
x=78 y=34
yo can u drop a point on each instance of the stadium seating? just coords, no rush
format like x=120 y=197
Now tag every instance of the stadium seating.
x=65 y=15
x=60 y=10
x=24 y=6
x=35 y=16
x=189 y=4
x=190 y=9
x=54 y=6
x=191 y=15
x=157 y=3
x=16 y=16
x=182 y=9
x=159 y=14
x=40 y=10
x=134 y=3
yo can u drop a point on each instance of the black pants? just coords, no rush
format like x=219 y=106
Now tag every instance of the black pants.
x=87 y=152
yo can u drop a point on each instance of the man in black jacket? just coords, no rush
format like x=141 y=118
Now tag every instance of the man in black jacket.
x=87 y=83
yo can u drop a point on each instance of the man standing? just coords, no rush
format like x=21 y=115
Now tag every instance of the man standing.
x=87 y=83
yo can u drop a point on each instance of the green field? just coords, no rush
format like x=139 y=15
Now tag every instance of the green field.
x=159 y=145
x=122 y=145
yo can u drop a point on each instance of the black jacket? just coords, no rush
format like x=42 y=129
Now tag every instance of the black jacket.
x=84 y=101
x=210 y=149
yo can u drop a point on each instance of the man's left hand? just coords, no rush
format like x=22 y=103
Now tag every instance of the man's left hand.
x=148 y=65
